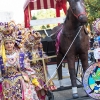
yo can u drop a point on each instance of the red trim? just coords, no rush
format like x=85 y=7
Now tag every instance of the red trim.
x=31 y=2
x=27 y=3
x=26 y=18
x=52 y=3
x=45 y=4
x=31 y=5
x=83 y=13
x=38 y=4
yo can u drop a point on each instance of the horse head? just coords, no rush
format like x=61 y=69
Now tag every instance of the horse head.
x=77 y=8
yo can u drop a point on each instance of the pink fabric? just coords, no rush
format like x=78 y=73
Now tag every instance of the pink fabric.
x=0 y=87
x=1 y=91
x=23 y=90
x=58 y=41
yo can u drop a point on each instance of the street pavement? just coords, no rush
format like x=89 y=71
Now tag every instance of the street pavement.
x=66 y=94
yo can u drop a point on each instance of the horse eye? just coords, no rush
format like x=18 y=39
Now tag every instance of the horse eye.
x=73 y=9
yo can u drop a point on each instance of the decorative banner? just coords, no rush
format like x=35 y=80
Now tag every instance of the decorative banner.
x=96 y=26
x=91 y=81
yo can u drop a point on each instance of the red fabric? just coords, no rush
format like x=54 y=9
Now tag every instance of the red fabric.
x=27 y=17
x=58 y=40
x=38 y=5
x=60 y=4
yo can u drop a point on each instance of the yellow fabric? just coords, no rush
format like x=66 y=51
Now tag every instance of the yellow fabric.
x=35 y=82
x=3 y=53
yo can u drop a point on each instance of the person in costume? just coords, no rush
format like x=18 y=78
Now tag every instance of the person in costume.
x=34 y=51
x=95 y=77
x=19 y=80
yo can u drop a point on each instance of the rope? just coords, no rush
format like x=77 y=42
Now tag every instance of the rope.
x=53 y=33
x=63 y=57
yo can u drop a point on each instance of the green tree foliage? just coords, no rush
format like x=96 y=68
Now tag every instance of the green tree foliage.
x=93 y=9
x=34 y=18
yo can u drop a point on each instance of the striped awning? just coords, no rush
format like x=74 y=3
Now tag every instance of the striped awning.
x=40 y=4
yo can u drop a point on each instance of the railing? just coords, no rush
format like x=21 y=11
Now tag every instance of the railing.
x=54 y=78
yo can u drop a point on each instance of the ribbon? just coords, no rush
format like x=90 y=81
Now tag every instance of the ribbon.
x=60 y=4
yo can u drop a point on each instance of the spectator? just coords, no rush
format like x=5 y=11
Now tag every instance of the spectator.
x=91 y=40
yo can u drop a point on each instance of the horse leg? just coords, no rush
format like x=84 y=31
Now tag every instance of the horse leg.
x=84 y=61
x=71 y=67
x=59 y=70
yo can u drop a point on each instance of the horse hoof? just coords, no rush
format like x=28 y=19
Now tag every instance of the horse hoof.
x=75 y=96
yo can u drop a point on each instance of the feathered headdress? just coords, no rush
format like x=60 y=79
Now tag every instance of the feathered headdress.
x=7 y=32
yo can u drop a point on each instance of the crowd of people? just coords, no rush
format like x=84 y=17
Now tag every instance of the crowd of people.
x=94 y=39
x=22 y=76
x=94 y=46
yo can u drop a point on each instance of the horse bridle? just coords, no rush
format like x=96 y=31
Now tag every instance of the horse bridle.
x=77 y=16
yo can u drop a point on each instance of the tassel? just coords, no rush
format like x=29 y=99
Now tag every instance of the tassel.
x=35 y=82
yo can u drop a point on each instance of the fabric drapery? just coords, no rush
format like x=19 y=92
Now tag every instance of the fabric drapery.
x=60 y=4
x=27 y=16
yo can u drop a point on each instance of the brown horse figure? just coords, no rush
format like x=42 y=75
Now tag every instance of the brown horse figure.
x=76 y=17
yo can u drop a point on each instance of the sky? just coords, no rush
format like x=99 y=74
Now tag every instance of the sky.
x=15 y=7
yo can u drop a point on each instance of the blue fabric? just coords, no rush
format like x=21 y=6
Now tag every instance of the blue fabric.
x=98 y=38
x=96 y=88
x=29 y=55
x=2 y=65
x=21 y=60
x=40 y=53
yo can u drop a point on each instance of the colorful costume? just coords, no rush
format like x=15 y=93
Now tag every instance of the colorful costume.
x=34 y=51
x=17 y=75
x=14 y=85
